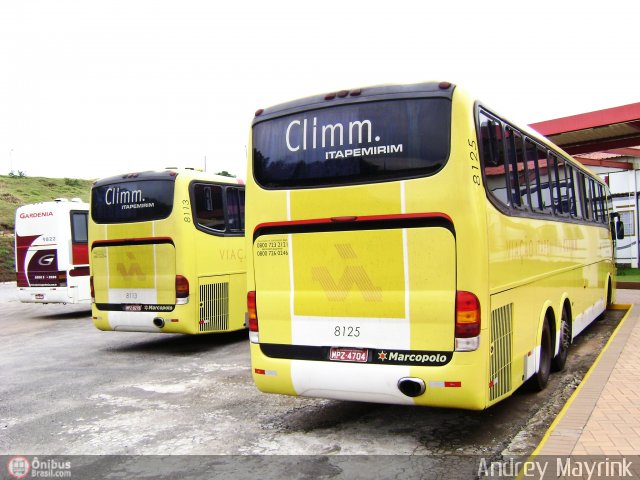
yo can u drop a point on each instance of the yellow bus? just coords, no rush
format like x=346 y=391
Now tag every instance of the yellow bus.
x=410 y=246
x=167 y=252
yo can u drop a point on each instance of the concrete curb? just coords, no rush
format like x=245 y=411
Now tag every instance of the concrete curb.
x=562 y=441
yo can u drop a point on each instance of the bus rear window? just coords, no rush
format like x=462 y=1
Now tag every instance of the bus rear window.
x=132 y=201
x=350 y=144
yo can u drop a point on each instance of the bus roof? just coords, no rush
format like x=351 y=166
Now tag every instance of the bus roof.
x=58 y=204
x=167 y=174
x=358 y=95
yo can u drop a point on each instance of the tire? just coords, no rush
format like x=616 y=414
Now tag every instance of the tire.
x=539 y=380
x=609 y=302
x=559 y=361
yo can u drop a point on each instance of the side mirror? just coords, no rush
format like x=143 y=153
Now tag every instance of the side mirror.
x=616 y=226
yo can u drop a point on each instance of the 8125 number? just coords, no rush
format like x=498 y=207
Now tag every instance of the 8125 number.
x=339 y=331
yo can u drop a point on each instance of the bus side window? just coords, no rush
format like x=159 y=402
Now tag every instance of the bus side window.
x=602 y=204
x=235 y=209
x=533 y=171
x=492 y=150
x=545 y=180
x=208 y=206
x=593 y=200
x=560 y=195
x=584 y=187
x=573 y=188
x=511 y=165
x=520 y=176
x=489 y=134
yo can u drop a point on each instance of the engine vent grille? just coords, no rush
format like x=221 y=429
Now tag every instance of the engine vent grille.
x=214 y=307
x=501 y=351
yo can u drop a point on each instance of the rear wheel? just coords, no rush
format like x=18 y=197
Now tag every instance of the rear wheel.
x=565 y=341
x=540 y=379
x=609 y=300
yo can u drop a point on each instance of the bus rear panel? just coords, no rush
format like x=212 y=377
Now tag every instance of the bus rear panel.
x=52 y=264
x=356 y=289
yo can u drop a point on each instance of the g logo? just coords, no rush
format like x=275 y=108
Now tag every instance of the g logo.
x=46 y=260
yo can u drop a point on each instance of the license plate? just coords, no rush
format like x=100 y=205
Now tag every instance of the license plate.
x=133 y=308
x=39 y=296
x=348 y=354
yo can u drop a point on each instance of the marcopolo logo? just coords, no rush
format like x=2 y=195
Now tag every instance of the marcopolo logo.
x=413 y=357
x=21 y=467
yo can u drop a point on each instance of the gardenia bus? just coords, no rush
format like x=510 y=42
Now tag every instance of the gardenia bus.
x=409 y=245
x=52 y=264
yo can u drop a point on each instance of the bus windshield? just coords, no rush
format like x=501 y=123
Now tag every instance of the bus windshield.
x=132 y=201
x=354 y=143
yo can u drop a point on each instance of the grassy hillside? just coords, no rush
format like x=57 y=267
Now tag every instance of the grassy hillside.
x=16 y=191
x=6 y=260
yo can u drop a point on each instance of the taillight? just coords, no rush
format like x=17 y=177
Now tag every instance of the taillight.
x=182 y=290
x=92 y=290
x=467 y=321
x=252 y=314
x=62 y=279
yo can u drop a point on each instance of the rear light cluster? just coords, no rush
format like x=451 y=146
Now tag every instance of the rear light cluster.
x=252 y=314
x=182 y=290
x=93 y=291
x=343 y=93
x=467 y=322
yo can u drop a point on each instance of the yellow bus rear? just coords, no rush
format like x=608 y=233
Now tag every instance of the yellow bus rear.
x=167 y=252
x=381 y=268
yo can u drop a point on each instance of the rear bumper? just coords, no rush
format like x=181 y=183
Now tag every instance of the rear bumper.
x=459 y=384
x=49 y=295
x=175 y=321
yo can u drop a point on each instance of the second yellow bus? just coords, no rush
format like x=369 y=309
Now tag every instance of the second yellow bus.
x=167 y=252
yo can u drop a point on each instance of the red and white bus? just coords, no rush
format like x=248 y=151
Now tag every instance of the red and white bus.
x=52 y=261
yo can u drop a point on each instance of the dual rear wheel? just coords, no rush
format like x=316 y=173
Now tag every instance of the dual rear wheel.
x=547 y=360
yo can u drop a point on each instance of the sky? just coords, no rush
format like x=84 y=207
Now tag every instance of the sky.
x=91 y=89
